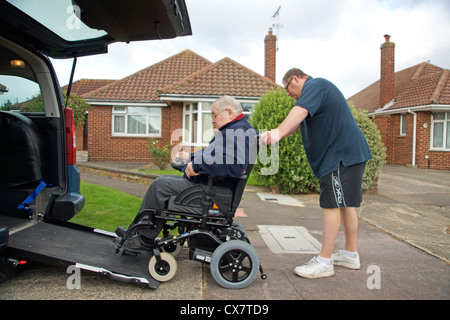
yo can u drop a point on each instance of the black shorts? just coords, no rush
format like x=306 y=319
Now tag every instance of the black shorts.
x=342 y=187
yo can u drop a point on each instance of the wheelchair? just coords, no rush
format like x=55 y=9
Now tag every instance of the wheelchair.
x=202 y=217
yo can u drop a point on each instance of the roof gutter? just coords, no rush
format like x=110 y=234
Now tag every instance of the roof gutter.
x=429 y=107
x=131 y=103
x=194 y=98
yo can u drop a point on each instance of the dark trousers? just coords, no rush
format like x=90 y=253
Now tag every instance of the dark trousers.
x=157 y=197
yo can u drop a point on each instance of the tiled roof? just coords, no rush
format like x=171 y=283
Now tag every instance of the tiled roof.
x=143 y=85
x=420 y=85
x=84 y=86
x=225 y=77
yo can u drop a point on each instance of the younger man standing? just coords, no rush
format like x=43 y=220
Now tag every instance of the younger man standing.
x=337 y=152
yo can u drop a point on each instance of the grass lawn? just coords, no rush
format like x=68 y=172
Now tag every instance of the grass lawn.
x=106 y=208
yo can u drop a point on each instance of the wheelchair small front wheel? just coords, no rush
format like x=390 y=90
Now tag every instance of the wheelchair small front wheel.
x=234 y=264
x=163 y=270
x=173 y=249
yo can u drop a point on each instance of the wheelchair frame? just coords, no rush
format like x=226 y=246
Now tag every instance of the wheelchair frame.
x=213 y=239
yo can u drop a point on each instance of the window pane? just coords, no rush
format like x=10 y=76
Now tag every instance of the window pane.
x=154 y=125
x=119 y=124
x=438 y=135
x=207 y=127
x=14 y=90
x=194 y=127
x=247 y=107
x=439 y=116
x=119 y=109
x=59 y=16
x=448 y=135
x=137 y=110
x=187 y=128
x=154 y=110
x=136 y=124
x=403 y=124
x=206 y=106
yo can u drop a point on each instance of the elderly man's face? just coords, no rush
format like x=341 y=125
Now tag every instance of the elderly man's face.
x=221 y=118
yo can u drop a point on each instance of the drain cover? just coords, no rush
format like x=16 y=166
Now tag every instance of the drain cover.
x=280 y=198
x=289 y=239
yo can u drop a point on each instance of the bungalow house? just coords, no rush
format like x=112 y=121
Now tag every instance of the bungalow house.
x=172 y=96
x=411 y=108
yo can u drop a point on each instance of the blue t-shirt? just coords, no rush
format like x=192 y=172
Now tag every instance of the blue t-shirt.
x=330 y=133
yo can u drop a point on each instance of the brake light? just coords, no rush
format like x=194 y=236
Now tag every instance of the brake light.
x=71 y=148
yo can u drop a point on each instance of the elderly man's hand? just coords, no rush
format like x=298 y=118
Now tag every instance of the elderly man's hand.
x=189 y=171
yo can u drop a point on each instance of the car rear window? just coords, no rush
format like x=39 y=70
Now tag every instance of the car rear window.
x=59 y=16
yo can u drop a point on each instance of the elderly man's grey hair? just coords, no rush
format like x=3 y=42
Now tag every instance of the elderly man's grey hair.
x=228 y=102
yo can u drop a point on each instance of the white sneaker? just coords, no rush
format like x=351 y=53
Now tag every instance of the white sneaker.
x=342 y=259
x=314 y=269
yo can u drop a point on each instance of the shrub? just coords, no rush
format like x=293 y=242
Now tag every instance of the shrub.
x=161 y=155
x=294 y=173
x=373 y=138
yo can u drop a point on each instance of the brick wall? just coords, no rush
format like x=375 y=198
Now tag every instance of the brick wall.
x=399 y=148
x=436 y=159
x=79 y=137
x=105 y=147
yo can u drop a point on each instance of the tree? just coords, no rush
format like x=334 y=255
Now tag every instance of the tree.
x=76 y=103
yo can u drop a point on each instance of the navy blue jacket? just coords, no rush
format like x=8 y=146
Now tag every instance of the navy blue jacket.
x=227 y=155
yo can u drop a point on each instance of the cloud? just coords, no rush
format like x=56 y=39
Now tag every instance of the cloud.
x=338 y=40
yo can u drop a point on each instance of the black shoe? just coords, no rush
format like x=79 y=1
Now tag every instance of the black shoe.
x=120 y=231
x=132 y=245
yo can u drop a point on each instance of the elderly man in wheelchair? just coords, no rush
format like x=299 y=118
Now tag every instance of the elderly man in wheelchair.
x=201 y=205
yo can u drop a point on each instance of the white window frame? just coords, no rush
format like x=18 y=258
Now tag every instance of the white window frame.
x=188 y=112
x=124 y=111
x=190 y=109
x=445 y=131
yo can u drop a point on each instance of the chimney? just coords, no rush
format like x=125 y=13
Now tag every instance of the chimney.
x=387 y=79
x=270 y=49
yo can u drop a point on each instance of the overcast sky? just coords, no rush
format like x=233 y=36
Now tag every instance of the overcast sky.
x=337 y=40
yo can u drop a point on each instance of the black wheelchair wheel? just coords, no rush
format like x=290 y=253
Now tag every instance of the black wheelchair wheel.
x=234 y=264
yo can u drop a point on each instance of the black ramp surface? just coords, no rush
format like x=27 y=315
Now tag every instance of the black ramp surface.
x=61 y=244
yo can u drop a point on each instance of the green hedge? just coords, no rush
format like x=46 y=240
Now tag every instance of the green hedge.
x=290 y=172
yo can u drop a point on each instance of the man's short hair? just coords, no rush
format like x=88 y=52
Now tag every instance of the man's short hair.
x=293 y=72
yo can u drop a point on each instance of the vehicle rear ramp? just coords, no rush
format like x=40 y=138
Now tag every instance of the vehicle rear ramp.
x=71 y=244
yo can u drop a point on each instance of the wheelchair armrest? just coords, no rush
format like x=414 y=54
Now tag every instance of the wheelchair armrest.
x=178 y=165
